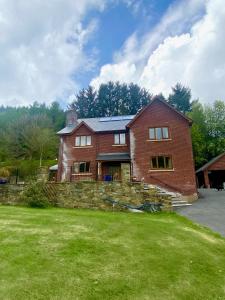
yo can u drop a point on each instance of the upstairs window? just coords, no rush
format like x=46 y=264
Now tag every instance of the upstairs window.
x=161 y=162
x=119 y=139
x=159 y=133
x=81 y=167
x=83 y=140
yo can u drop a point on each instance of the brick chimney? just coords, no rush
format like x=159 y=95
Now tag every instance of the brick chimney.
x=71 y=118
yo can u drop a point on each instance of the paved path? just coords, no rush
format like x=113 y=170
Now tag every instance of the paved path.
x=209 y=210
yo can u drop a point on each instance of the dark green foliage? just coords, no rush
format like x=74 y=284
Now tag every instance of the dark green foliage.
x=29 y=132
x=208 y=131
x=180 y=98
x=35 y=195
x=111 y=99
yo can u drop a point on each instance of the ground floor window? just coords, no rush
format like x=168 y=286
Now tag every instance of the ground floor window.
x=81 y=167
x=161 y=162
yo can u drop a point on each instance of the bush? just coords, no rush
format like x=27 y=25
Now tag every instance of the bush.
x=4 y=172
x=35 y=196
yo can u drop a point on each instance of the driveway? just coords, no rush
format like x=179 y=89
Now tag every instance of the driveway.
x=208 y=210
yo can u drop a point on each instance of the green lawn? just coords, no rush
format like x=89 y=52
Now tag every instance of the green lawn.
x=81 y=254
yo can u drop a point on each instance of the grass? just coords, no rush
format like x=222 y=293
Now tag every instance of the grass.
x=82 y=254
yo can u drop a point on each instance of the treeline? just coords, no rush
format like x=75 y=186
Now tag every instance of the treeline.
x=29 y=133
x=208 y=130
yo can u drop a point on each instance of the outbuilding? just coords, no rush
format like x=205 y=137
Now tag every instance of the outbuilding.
x=212 y=174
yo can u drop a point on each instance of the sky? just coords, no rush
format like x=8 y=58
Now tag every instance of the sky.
x=49 y=50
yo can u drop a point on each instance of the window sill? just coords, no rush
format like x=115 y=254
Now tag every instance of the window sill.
x=164 y=140
x=161 y=170
x=81 y=147
x=119 y=145
x=82 y=174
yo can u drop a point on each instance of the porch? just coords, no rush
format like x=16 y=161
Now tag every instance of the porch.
x=113 y=167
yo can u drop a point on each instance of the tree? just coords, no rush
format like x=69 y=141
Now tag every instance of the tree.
x=180 y=98
x=32 y=137
x=215 y=126
x=208 y=131
x=111 y=99
x=198 y=133
x=85 y=103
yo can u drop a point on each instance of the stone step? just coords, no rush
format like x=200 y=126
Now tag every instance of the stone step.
x=180 y=205
x=176 y=201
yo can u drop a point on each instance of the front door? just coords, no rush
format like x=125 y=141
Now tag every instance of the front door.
x=114 y=170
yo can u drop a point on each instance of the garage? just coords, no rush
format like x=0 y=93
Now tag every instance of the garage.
x=212 y=174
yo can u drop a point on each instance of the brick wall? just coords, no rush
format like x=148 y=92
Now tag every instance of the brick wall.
x=182 y=177
x=69 y=154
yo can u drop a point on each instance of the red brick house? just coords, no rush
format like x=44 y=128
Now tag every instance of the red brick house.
x=154 y=146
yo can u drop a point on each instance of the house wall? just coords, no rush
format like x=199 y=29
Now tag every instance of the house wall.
x=105 y=143
x=182 y=177
x=68 y=153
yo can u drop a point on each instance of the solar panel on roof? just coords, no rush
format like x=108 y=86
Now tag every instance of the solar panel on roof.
x=116 y=118
x=105 y=119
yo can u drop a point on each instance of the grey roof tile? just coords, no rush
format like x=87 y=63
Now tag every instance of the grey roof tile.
x=101 y=124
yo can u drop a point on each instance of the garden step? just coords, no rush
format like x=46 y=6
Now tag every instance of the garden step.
x=179 y=201
x=182 y=204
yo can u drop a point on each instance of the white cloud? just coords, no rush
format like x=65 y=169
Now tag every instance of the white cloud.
x=41 y=46
x=170 y=54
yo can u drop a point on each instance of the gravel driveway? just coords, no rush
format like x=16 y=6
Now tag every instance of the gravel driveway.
x=209 y=210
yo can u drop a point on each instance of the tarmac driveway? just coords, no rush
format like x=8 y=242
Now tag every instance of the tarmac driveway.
x=208 y=210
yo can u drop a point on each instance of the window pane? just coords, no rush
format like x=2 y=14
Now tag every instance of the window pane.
x=122 y=139
x=87 y=167
x=88 y=140
x=83 y=141
x=82 y=167
x=116 y=139
x=165 y=133
x=168 y=162
x=161 y=162
x=77 y=141
x=152 y=133
x=154 y=162
x=158 y=133
x=76 y=168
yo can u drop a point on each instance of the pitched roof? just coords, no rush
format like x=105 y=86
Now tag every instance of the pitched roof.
x=116 y=123
x=208 y=164
x=162 y=101
x=101 y=124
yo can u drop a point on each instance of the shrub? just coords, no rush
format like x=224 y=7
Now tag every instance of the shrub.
x=35 y=196
x=4 y=172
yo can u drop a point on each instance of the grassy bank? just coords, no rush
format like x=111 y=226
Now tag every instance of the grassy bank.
x=82 y=254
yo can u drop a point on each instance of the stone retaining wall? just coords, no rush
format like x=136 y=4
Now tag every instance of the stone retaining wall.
x=89 y=194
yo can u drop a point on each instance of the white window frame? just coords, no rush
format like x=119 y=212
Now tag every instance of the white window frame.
x=83 y=140
x=120 y=138
x=153 y=136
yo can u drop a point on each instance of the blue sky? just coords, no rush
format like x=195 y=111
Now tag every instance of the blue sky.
x=49 y=50
x=115 y=24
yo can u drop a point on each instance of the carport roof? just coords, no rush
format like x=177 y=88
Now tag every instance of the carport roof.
x=208 y=164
